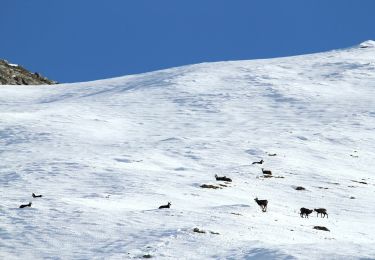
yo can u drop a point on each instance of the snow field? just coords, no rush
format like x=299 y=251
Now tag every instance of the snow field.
x=106 y=154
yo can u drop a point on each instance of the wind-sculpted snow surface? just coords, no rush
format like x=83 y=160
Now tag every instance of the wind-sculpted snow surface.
x=106 y=154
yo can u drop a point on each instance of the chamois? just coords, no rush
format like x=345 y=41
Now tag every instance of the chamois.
x=224 y=178
x=260 y=162
x=262 y=203
x=25 y=205
x=322 y=212
x=305 y=211
x=165 y=206
x=36 y=196
x=267 y=172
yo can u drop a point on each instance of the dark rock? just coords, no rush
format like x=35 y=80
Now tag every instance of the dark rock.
x=209 y=186
x=271 y=176
x=361 y=182
x=321 y=228
x=12 y=74
x=300 y=188
x=197 y=230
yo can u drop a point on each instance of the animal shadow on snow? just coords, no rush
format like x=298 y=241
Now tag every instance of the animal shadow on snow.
x=260 y=254
x=152 y=240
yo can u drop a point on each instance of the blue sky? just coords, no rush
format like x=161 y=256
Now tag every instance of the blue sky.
x=80 y=40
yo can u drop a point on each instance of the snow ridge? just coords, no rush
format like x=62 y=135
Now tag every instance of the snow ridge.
x=367 y=44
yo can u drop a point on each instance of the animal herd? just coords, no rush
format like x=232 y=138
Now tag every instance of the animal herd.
x=304 y=212
x=28 y=205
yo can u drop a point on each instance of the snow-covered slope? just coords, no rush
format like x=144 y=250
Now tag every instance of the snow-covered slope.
x=106 y=154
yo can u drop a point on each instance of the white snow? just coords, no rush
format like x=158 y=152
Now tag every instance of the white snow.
x=367 y=44
x=106 y=154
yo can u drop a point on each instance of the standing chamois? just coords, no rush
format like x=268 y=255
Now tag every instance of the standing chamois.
x=262 y=203
x=224 y=178
x=165 y=206
x=25 y=205
x=321 y=211
x=305 y=212
x=36 y=196
x=260 y=162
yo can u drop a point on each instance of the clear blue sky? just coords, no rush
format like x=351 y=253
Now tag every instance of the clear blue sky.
x=80 y=40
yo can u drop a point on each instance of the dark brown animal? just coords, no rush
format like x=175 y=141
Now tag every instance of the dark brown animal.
x=165 y=206
x=305 y=212
x=224 y=178
x=25 y=205
x=322 y=212
x=267 y=172
x=262 y=203
x=260 y=162
x=36 y=196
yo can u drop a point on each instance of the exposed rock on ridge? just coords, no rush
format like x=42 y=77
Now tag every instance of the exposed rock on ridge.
x=12 y=74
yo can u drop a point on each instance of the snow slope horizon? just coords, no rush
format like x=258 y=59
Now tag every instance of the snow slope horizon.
x=151 y=138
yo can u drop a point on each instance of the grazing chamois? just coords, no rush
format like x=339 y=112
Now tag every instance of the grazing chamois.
x=305 y=211
x=25 y=205
x=224 y=178
x=260 y=162
x=165 y=206
x=321 y=211
x=262 y=203
x=36 y=196
x=267 y=172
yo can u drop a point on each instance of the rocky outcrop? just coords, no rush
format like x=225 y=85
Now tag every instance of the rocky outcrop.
x=13 y=74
